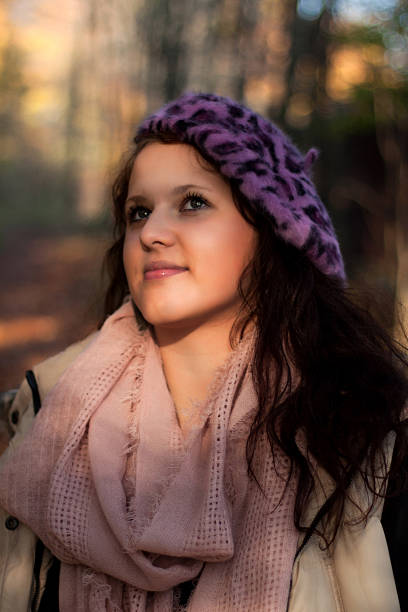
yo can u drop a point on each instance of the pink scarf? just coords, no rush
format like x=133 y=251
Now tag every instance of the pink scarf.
x=131 y=507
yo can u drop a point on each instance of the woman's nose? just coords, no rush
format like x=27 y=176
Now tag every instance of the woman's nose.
x=157 y=230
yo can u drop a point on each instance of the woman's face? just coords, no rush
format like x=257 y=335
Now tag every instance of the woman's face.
x=186 y=244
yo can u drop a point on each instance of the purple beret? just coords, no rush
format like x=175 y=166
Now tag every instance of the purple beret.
x=265 y=165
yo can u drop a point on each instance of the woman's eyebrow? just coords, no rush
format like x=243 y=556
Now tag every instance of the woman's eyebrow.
x=142 y=200
x=182 y=188
x=137 y=199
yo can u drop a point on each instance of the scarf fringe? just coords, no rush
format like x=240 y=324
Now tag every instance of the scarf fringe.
x=99 y=592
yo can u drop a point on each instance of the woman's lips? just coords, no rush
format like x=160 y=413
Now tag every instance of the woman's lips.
x=162 y=273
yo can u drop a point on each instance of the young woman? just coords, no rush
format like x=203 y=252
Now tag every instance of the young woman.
x=224 y=442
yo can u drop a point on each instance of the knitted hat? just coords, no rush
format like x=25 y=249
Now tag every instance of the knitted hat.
x=264 y=164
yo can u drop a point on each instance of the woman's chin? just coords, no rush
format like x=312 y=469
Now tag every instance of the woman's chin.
x=172 y=322
x=169 y=313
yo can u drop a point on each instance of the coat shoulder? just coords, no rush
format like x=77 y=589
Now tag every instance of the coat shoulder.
x=46 y=374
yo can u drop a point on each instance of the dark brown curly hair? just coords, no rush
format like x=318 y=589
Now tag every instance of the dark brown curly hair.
x=351 y=383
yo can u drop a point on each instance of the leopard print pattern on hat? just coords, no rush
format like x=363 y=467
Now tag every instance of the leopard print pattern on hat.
x=262 y=161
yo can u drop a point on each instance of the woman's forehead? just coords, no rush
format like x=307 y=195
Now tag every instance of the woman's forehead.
x=172 y=165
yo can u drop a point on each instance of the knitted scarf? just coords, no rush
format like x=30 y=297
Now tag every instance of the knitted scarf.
x=133 y=508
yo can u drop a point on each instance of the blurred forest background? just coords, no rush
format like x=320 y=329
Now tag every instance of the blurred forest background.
x=76 y=77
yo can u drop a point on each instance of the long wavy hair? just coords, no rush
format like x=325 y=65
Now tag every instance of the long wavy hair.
x=350 y=385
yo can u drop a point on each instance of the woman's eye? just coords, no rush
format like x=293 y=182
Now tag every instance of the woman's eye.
x=194 y=201
x=137 y=213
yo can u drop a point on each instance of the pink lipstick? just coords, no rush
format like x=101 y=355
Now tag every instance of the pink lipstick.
x=161 y=269
x=164 y=272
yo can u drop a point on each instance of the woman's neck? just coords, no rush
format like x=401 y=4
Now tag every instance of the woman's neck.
x=190 y=358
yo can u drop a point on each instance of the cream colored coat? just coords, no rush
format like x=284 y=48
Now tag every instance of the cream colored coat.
x=355 y=576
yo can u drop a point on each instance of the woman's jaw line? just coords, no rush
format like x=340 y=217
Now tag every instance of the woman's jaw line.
x=195 y=329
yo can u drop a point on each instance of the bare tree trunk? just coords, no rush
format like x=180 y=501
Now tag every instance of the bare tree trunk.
x=401 y=228
x=202 y=45
x=161 y=26
x=390 y=149
x=306 y=73
x=99 y=96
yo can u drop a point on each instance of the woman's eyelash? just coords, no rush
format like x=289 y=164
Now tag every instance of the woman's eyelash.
x=133 y=210
x=196 y=198
x=191 y=196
